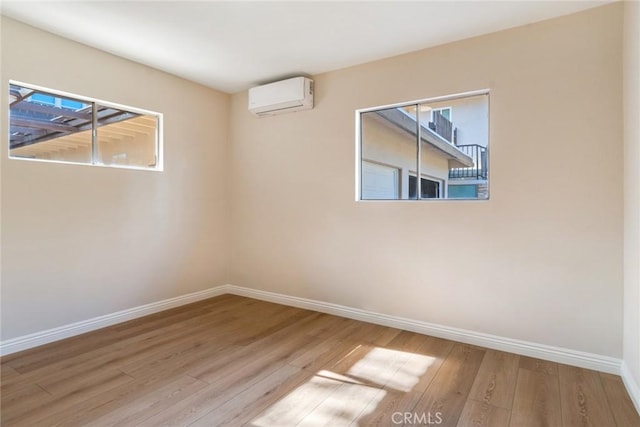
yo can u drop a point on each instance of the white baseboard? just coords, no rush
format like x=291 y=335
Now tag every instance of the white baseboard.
x=541 y=351
x=50 y=335
x=555 y=354
x=632 y=386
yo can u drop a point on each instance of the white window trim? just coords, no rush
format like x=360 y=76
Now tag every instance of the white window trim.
x=159 y=167
x=358 y=140
x=425 y=101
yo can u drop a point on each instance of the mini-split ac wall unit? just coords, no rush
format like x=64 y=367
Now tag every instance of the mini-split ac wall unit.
x=285 y=96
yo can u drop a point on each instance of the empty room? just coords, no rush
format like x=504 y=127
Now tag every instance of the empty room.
x=320 y=213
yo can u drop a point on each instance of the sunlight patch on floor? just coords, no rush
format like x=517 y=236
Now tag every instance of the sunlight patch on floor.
x=392 y=368
x=291 y=409
x=409 y=374
x=344 y=405
x=331 y=398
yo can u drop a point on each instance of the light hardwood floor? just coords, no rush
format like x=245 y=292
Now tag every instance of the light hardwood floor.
x=236 y=361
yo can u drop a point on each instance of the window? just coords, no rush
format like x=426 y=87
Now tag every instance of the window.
x=49 y=126
x=445 y=112
x=396 y=144
x=429 y=189
x=464 y=191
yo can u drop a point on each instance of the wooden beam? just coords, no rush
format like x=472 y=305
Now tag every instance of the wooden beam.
x=29 y=134
x=20 y=98
x=41 y=124
x=38 y=139
x=28 y=130
x=26 y=136
x=110 y=117
x=48 y=109
x=18 y=138
x=124 y=115
x=105 y=117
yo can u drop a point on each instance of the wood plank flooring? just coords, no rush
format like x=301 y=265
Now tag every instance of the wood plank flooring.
x=236 y=361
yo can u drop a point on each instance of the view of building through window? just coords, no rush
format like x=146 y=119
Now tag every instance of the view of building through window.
x=46 y=126
x=444 y=142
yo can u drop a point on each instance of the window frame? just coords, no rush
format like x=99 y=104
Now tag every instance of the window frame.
x=159 y=135
x=441 y=185
x=358 y=143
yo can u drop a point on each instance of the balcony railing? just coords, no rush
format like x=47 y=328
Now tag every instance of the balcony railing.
x=479 y=170
x=442 y=126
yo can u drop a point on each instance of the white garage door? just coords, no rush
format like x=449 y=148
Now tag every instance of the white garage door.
x=380 y=182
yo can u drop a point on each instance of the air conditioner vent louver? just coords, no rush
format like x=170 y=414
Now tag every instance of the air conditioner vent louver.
x=285 y=96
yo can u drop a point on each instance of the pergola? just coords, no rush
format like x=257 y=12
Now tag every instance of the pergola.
x=32 y=123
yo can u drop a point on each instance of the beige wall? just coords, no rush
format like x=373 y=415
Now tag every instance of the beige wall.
x=548 y=243
x=631 y=354
x=81 y=241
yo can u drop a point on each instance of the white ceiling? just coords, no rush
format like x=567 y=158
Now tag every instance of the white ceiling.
x=231 y=46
